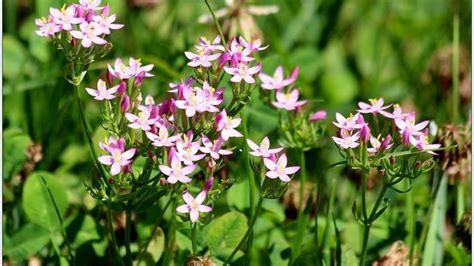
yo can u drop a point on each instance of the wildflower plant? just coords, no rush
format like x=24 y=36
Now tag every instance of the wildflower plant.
x=384 y=138
x=168 y=147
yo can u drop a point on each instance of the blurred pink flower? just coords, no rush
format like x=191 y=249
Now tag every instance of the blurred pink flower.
x=288 y=101
x=243 y=72
x=347 y=141
x=89 y=33
x=374 y=107
x=176 y=172
x=276 y=81
x=162 y=139
x=263 y=150
x=142 y=121
x=317 y=116
x=102 y=93
x=214 y=149
x=227 y=125
x=118 y=158
x=64 y=17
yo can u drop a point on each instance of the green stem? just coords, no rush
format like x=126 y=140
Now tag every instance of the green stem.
x=318 y=193
x=459 y=201
x=112 y=236
x=249 y=230
x=364 y=245
x=301 y=216
x=128 y=224
x=216 y=22
x=251 y=184
x=193 y=238
x=169 y=251
x=411 y=226
x=369 y=222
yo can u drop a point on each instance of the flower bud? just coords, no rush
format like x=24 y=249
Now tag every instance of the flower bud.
x=122 y=88
x=125 y=104
x=385 y=143
x=109 y=77
x=295 y=73
x=365 y=132
x=172 y=154
x=317 y=116
x=139 y=79
x=208 y=184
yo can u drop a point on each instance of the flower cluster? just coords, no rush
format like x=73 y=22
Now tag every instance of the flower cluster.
x=382 y=130
x=87 y=22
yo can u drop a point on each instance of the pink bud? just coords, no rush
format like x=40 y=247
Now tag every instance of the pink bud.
x=106 y=10
x=295 y=72
x=172 y=154
x=127 y=168
x=365 y=132
x=122 y=88
x=109 y=77
x=125 y=104
x=406 y=137
x=208 y=184
x=139 y=79
x=317 y=116
x=273 y=157
x=385 y=142
x=211 y=164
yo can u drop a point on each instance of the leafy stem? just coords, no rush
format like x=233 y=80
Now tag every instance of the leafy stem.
x=193 y=238
x=112 y=235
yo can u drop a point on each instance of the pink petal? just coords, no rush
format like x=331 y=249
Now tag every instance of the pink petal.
x=183 y=208
x=188 y=198
x=201 y=197
x=204 y=208
x=291 y=170
x=269 y=164
x=194 y=215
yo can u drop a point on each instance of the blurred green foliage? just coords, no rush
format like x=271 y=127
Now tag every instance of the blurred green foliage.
x=347 y=51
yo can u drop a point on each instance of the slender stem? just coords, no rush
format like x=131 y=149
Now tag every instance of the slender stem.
x=249 y=230
x=112 y=236
x=368 y=224
x=252 y=185
x=411 y=225
x=193 y=238
x=364 y=245
x=128 y=224
x=216 y=22
x=363 y=192
x=301 y=216
x=459 y=201
x=85 y=126
x=318 y=193
x=169 y=251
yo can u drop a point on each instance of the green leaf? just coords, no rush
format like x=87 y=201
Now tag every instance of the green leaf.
x=224 y=234
x=26 y=242
x=309 y=62
x=87 y=232
x=15 y=144
x=14 y=56
x=433 y=251
x=155 y=249
x=37 y=202
x=238 y=195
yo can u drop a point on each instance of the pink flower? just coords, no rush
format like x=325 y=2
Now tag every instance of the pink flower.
x=113 y=143
x=264 y=149
x=105 y=23
x=187 y=152
x=378 y=146
x=64 y=17
x=277 y=81
x=137 y=70
x=252 y=46
x=102 y=93
x=176 y=172
x=349 y=123
x=317 y=116
x=193 y=205
x=117 y=158
x=209 y=47
x=243 y=72
x=90 y=4
x=279 y=168
x=347 y=141
x=89 y=34
x=374 y=107
x=213 y=148
x=408 y=128
x=288 y=101
x=162 y=139
x=421 y=143
x=237 y=54
x=197 y=101
x=142 y=121
x=227 y=125
x=201 y=58
x=364 y=132
x=134 y=69
x=46 y=27
x=397 y=113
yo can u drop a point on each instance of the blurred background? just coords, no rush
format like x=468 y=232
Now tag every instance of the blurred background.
x=347 y=51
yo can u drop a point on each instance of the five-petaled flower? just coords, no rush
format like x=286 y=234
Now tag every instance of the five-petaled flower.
x=277 y=81
x=263 y=150
x=279 y=169
x=193 y=205
x=89 y=33
x=177 y=172
x=102 y=93
x=288 y=101
x=243 y=72
x=117 y=157
x=374 y=107
x=226 y=125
